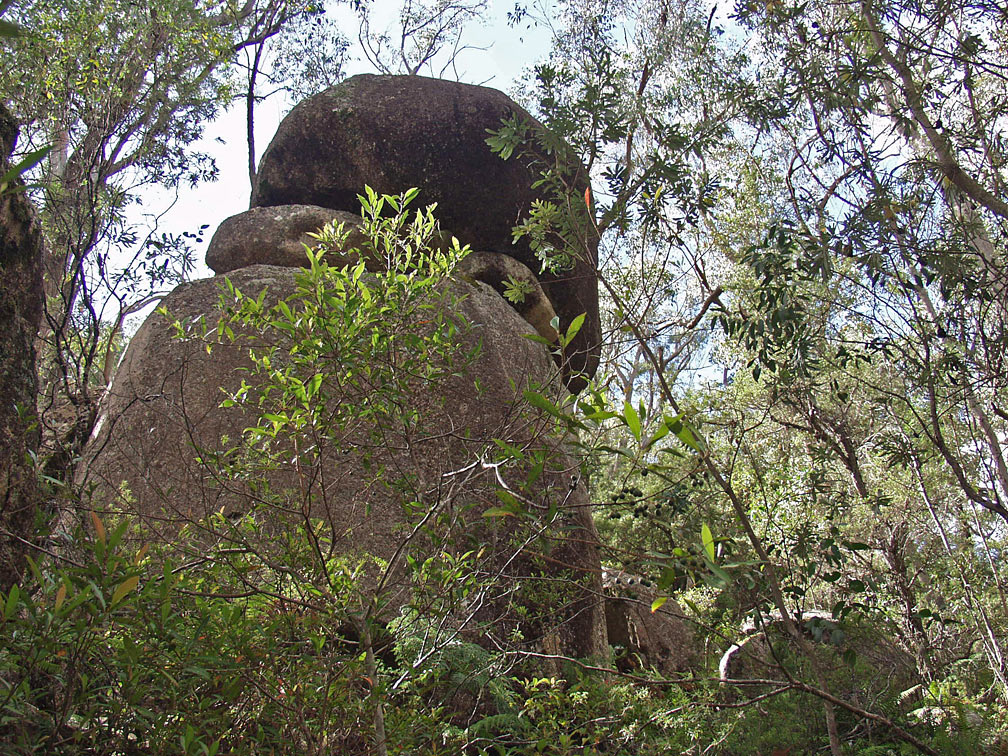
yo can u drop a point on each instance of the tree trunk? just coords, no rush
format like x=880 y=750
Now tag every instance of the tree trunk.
x=20 y=314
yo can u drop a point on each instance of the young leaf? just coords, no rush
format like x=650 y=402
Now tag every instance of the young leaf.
x=314 y=383
x=125 y=587
x=658 y=603
x=99 y=528
x=498 y=512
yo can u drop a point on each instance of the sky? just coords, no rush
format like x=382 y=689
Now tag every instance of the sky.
x=508 y=51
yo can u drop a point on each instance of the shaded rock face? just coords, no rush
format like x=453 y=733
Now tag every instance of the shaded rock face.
x=20 y=313
x=163 y=415
x=659 y=640
x=398 y=132
x=497 y=271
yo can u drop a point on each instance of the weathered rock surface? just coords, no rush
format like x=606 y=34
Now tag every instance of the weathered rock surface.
x=275 y=236
x=498 y=271
x=278 y=236
x=398 y=132
x=20 y=313
x=164 y=410
x=660 y=640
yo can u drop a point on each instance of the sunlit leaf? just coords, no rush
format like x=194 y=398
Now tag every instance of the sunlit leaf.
x=632 y=420
x=708 y=541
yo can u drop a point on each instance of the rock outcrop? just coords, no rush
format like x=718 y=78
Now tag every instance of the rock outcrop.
x=278 y=236
x=164 y=424
x=418 y=481
x=660 y=640
x=398 y=132
x=20 y=313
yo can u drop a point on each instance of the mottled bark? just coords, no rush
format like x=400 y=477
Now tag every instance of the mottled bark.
x=20 y=312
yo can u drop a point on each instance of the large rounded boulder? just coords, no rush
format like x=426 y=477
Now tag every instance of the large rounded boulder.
x=397 y=132
x=170 y=452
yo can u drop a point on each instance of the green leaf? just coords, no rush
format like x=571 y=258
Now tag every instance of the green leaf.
x=708 y=541
x=573 y=328
x=97 y=592
x=659 y=434
x=721 y=577
x=12 y=601
x=539 y=401
x=8 y=29
x=685 y=435
x=857 y=546
x=499 y=512
x=511 y=505
x=512 y=451
x=27 y=163
x=658 y=603
x=537 y=339
x=314 y=384
x=632 y=420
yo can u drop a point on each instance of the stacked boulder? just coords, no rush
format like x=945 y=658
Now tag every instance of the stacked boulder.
x=397 y=132
x=156 y=452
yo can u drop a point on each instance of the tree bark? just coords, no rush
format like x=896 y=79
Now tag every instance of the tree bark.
x=20 y=313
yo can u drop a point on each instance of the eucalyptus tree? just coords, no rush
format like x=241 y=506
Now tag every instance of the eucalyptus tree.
x=426 y=35
x=893 y=255
x=305 y=57
x=822 y=183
